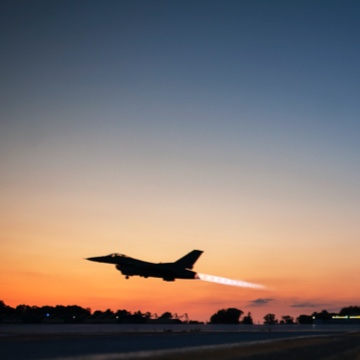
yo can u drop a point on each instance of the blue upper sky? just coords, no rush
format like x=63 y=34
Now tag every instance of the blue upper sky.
x=227 y=64
x=277 y=80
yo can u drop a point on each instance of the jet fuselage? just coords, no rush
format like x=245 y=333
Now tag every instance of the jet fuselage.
x=128 y=266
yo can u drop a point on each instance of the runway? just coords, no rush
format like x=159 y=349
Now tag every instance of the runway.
x=32 y=342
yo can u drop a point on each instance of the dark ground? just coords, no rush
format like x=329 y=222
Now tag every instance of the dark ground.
x=335 y=347
x=43 y=346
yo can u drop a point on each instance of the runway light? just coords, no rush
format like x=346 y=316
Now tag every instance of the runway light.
x=229 y=282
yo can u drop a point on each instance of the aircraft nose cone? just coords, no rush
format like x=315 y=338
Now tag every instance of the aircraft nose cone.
x=103 y=259
x=96 y=258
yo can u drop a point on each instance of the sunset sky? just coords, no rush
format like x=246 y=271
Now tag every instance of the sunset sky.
x=151 y=128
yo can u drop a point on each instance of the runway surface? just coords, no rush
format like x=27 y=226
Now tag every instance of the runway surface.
x=50 y=342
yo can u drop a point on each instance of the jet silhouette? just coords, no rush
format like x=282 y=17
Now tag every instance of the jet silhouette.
x=128 y=266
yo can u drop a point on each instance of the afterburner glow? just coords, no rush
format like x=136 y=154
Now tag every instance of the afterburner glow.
x=230 y=282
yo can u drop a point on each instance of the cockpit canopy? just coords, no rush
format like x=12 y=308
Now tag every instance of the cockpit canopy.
x=117 y=255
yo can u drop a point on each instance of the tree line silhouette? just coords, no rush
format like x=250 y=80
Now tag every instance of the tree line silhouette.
x=76 y=314
x=73 y=314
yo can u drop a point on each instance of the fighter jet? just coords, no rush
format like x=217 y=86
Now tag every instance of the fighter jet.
x=128 y=266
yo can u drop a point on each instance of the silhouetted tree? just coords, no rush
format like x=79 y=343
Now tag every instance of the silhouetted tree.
x=75 y=314
x=22 y=309
x=28 y=314
x=228 y=316
x=147 y=315
x=350 y=311
x=324 y=315
x=248 y=320
x=109 y=314
x=270 y=319
x=101 y=316
x=287 y=319
x=123 y=316
x=304 y=319
x=6 y=311
x=166 y=315
x=138 y=317
x=97 y=314
x=168 y=318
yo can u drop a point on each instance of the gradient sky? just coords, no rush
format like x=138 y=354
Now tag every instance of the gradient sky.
x=152 y=128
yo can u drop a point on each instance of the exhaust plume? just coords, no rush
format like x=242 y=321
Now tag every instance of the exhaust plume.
x=230 y=282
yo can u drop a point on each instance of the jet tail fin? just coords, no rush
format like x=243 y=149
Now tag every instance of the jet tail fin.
x=188 y=261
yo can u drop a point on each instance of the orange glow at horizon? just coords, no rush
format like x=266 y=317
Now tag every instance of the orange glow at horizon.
x=42 y=262
x=39 y=274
